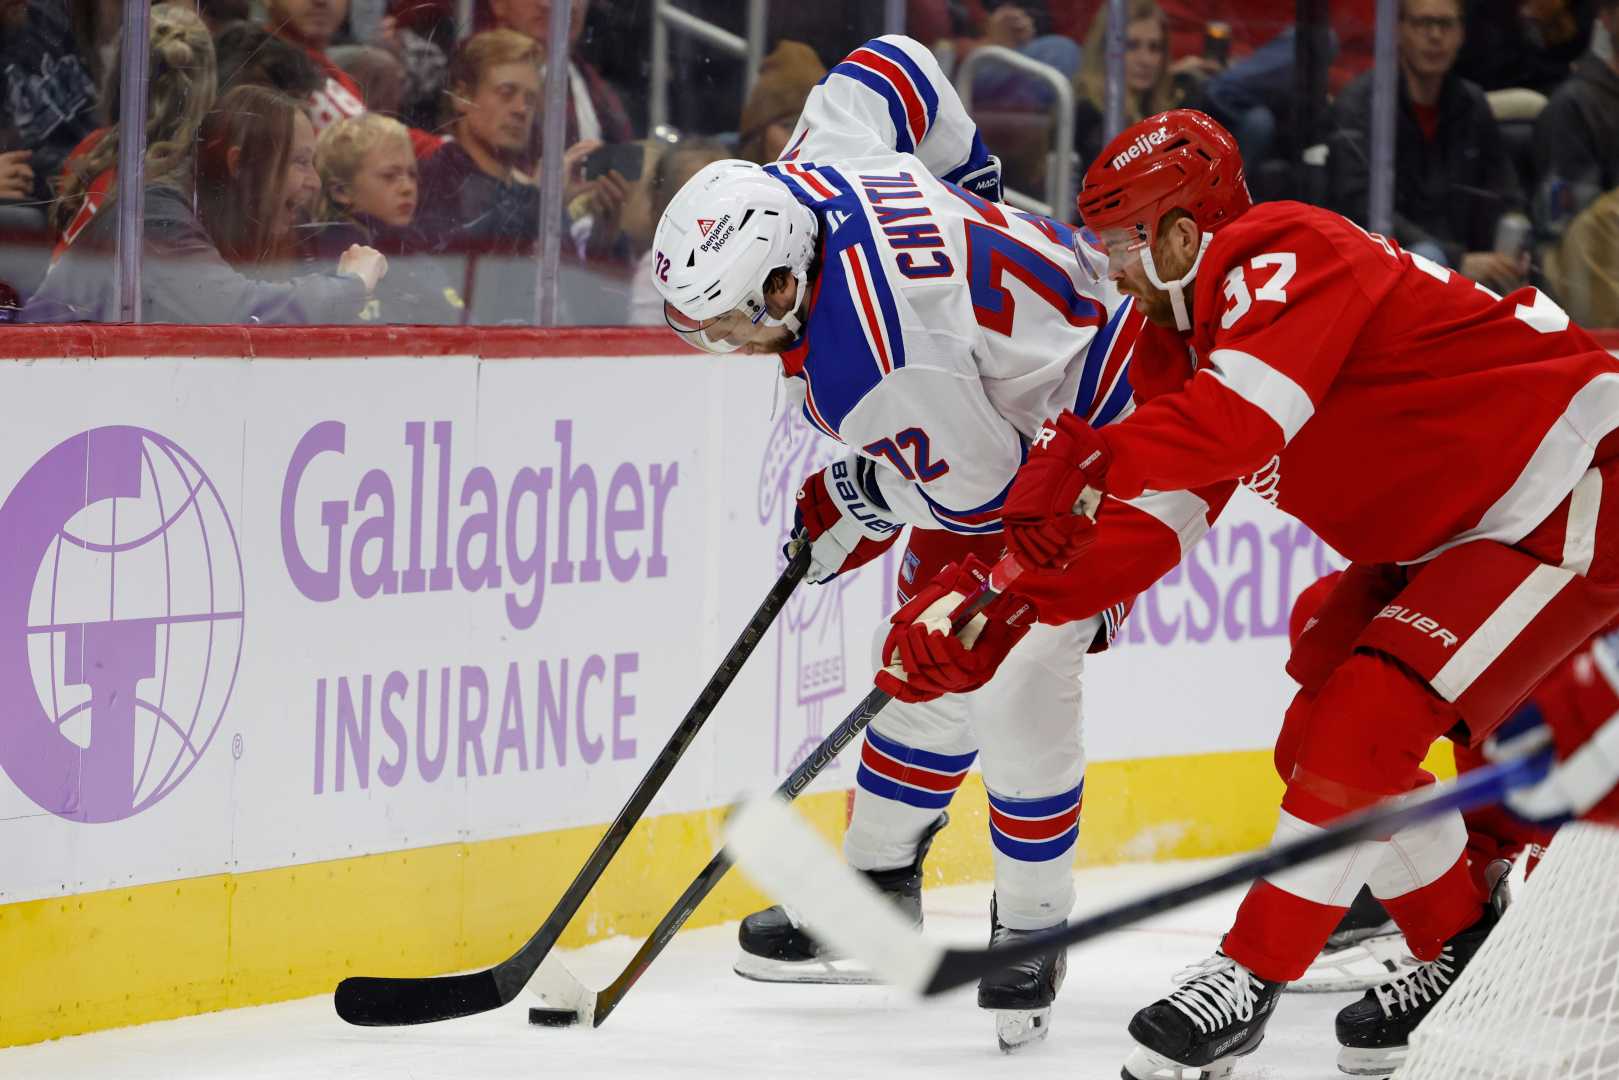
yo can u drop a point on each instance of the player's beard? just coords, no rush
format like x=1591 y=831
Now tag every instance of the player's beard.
x=1156 y=306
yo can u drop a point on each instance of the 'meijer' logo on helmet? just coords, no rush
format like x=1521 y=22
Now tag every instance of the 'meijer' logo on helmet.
x=1144 y=144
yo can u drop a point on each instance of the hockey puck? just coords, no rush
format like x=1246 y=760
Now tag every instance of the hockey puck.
x=552 y=1017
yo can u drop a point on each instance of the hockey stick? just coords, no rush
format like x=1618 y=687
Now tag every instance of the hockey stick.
x=558 y=985
x=581 y=1005
x=786 y=858
x=387 y=1002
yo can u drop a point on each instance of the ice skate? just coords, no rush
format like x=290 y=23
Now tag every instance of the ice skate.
x=1021 y=995
x=1364 y=951
x=1216 y=1015
x=775 y=948
x=1374 y=1033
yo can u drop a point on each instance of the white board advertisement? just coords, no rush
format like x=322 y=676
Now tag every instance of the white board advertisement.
x=269 y=612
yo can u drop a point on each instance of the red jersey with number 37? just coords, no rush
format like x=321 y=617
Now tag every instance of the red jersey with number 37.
x=1395 y=407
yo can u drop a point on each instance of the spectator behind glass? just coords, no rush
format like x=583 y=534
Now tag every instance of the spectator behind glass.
x=595 y=110
x=254 y=179
x=1149 y=85
x=1454 y=180
x=1528 y=43
x=674 y=166
x=1023 y=26
x=474 y=197
x=182 y=78
x=368 y=178
x=49 y=95
x=249 y=55
x=1577 y=135
x=786 y=78
x=1254 y=91
x=312 y=24
x=378 y=73
x=1577 y=204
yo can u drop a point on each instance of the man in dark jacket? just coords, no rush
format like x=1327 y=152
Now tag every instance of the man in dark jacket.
x=474 y=197
x=1577 y=135
x=1453 y=179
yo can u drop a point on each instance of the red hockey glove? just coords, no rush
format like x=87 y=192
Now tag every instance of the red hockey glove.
x=1579 y=703
x=1050 y=513
x=844 y=526
x=925 y=660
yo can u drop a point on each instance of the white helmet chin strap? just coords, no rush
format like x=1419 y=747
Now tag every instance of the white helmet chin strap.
x=1177 y=288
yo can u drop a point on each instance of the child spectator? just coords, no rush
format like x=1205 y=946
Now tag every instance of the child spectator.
x=368 y=175
x=181 y=74
x=254 y=179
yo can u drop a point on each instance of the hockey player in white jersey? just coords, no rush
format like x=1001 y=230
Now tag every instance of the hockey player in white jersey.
x=931 y=330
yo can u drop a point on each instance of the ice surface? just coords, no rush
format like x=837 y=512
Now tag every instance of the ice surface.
x=691 y=1017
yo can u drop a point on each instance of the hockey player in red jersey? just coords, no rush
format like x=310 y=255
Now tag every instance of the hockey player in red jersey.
x=1459 y=447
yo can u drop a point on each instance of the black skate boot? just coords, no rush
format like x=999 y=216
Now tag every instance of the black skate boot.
x=776 y=949
x=1365 y=950
x=1374 y=1033
x=1021 y=995
x=1216 y=1015
x=1365 y=918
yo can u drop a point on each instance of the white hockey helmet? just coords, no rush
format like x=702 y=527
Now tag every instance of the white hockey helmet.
x=723 y=234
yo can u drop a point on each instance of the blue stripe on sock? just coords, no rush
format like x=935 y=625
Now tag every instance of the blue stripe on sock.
x=1037 y=808
x=1034 y=850
x=945 y=763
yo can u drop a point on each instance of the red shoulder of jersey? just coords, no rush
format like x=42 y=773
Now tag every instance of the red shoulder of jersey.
x=1285 y=275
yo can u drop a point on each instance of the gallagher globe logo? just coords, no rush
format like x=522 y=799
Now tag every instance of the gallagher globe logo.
x=120 y=623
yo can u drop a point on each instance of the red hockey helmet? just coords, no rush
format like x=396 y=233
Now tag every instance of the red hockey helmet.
x=1180 y=159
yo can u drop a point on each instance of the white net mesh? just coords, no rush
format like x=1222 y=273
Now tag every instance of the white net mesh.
x=1541 y=998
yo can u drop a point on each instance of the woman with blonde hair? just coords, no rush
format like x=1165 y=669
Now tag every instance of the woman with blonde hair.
x=253 y=181
x=182 y=85
x=1149 y=86
x=369 y=189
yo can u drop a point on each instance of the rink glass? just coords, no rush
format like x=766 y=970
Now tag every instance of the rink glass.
x=522 y=237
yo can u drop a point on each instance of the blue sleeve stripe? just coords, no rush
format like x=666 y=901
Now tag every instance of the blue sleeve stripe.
x=1116 y=401
x=896 y=108
x=1096 y=361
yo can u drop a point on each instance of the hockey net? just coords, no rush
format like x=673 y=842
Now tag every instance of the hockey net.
x=1541 y=997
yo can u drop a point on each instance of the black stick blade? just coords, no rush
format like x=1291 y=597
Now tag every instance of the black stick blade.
x=375 y=1002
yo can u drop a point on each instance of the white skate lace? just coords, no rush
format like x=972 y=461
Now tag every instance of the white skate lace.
x=1214 y=993
x=1423 y=985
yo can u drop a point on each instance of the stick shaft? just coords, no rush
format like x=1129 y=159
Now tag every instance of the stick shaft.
x=387 y=1002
